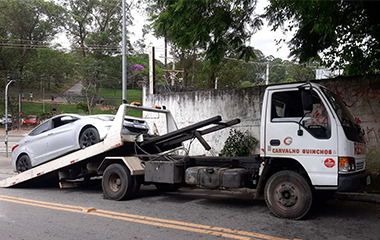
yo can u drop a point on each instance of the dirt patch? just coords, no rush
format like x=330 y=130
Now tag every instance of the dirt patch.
x=22 y=131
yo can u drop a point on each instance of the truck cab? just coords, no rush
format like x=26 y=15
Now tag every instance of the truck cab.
x=307 y=129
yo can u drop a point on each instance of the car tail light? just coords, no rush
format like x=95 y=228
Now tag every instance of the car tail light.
x=14 y=147
x=347 y=164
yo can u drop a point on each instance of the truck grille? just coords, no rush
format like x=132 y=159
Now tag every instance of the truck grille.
x=360 y=166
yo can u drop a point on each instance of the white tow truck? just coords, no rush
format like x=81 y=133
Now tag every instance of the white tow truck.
x=310 y=147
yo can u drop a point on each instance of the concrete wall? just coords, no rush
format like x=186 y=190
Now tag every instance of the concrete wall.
x=362 y=95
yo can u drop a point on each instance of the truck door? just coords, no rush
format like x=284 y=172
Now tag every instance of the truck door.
x=308 y=137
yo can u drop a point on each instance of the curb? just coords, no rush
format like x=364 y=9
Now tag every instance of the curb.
x=359 y=197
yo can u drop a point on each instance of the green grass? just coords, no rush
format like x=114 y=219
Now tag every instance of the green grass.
x=113 y=96
x=111 y=103
x=32 y=108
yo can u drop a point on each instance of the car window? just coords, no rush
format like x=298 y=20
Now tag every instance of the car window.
x=60 y=121
x=42 y=128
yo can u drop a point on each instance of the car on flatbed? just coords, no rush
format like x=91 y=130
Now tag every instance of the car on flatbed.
x=66 y=133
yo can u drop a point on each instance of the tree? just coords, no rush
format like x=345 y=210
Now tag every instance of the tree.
x=25 y=26
x=50 y=66
x=340 y=34
x=213 y=26
x=78 y=20
x=106 y=34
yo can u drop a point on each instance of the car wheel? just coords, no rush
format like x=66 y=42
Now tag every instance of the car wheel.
x=88 y=137
x=23 y=163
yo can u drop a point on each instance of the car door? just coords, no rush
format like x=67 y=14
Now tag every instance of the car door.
x=62 y=138
x=37 y=143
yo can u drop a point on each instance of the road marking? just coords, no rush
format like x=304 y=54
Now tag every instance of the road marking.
x=173 y=224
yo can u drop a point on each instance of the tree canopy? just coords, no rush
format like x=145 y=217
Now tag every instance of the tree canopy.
x=214 y=26
x=340 y=34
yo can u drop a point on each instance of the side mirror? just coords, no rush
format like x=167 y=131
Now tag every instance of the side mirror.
x=66 y=118
x=307 y=100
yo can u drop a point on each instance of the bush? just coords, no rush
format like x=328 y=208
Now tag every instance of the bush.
x=239 y=144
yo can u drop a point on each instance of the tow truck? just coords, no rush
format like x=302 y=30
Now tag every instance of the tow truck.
x=310 y=147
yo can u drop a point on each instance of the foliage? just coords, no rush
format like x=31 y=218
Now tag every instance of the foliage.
x=25 y=25
x=50 y=67
x=83 y=106
x=239 y=144
x=214 y=26
x=340 y=34
x=95 y=25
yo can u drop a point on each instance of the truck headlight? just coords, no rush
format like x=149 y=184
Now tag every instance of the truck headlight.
x=347 y=164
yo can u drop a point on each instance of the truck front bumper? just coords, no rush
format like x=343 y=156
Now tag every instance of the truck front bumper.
x=353 y=182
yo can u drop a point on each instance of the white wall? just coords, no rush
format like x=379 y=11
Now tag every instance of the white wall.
x=192 y=107
x=362 y=95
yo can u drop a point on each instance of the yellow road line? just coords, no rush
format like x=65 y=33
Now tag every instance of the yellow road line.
x=191 y=227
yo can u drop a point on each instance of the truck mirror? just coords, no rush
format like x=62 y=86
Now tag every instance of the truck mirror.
x=307 y=100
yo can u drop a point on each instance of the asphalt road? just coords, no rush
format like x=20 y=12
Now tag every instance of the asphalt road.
x=53 y=213
x=82 y=213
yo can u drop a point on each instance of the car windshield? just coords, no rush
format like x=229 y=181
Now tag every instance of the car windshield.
x=352 y=130
x=31 y=118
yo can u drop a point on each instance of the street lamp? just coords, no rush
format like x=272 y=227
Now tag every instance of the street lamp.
x=6 y=117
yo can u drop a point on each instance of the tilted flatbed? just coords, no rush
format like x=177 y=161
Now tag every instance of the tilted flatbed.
x=115 y=145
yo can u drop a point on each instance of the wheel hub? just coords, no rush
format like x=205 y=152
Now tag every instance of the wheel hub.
x=286 y=195
x=115 y=182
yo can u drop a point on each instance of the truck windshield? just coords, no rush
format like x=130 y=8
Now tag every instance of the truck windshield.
x=352 y=130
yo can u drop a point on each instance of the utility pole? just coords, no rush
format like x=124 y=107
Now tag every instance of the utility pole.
x=124 y=62
x=6 y=116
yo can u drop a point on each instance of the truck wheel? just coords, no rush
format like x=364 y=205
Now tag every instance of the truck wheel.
x=23 y=163
x=288 y=195
x=168 y=187
x=88 y=137
x=118 y=184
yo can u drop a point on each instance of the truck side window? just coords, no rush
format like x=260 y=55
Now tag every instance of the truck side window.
x=287 y=107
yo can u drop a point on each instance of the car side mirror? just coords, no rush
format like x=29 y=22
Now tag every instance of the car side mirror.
x=307 y=100
x=66 y=118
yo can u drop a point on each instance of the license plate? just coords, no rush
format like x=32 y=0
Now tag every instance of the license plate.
x=368 y=180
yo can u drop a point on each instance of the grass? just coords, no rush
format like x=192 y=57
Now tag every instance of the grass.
x=113 y=96
x=110 y=106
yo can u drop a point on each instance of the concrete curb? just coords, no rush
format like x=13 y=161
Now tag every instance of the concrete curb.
x=359 y=197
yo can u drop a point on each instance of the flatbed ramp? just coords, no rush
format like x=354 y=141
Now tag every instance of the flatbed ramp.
x=71 y=159
x=49 y=169
x=116 y=144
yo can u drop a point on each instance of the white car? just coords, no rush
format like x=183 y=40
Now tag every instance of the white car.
x=66 y=133
x=3 y=120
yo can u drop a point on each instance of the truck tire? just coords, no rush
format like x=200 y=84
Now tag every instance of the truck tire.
x=88 y=137
x=168 y=187
x=118 y=184
x=288 y=195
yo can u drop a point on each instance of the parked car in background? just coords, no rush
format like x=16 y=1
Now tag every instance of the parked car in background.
x=3 y=120
x=31 y=120
x=66 y=133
